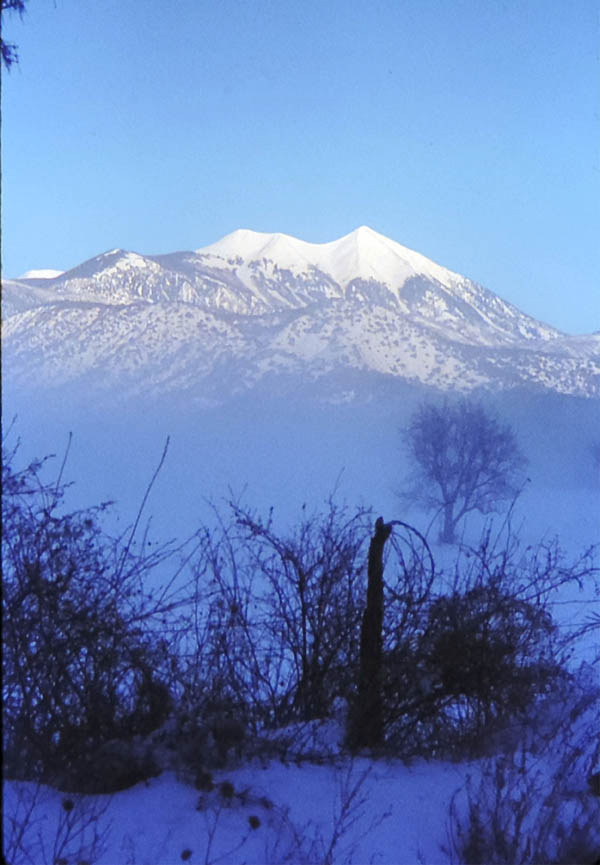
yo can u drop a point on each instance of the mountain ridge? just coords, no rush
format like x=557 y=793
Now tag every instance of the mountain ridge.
x=262 y=303
x=357 y=254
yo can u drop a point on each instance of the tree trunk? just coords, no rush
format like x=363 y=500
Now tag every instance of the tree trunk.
x=366 y=727
x=447 y=533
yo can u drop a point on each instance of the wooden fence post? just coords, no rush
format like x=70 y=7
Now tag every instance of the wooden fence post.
x=366 y=727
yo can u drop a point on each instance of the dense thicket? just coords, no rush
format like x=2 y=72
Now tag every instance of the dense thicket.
x=257 y=629
x=83 y=662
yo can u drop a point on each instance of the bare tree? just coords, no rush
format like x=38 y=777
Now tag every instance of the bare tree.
x=9 y=49
x=466 y=460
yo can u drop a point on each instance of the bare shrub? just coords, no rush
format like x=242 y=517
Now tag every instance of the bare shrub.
x=533 y=804
x=476 y=650
x=340 y=841
x=274 y=639
x=275 y=631
x=83 y=663
x=76 y=832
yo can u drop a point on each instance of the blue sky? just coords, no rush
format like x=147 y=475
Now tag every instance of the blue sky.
x=467 y=130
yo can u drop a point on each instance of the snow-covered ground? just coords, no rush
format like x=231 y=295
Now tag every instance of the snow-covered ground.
x=350 y=811
x=327 y=809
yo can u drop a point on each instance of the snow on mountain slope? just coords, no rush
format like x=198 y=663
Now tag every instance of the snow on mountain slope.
x=252 y=273
x=406 y=279
x=135 y=349
x=257 y=304
x=363 y=254
x=19 y=295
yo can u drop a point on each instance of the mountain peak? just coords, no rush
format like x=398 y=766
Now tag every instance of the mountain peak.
x=41 y=273
x=110 y=262
x=361 y=303
x=364 y=232
x=363 y=253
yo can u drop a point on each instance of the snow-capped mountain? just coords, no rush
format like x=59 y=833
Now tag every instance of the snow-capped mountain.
x=252 y=305
x=43 y=273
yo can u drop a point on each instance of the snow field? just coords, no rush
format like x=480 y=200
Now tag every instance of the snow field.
x=355 y=811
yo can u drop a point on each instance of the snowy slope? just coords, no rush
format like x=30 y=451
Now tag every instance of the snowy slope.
x=398 y=816
x=256 y=303
x=363 y=254
x=331 y=809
